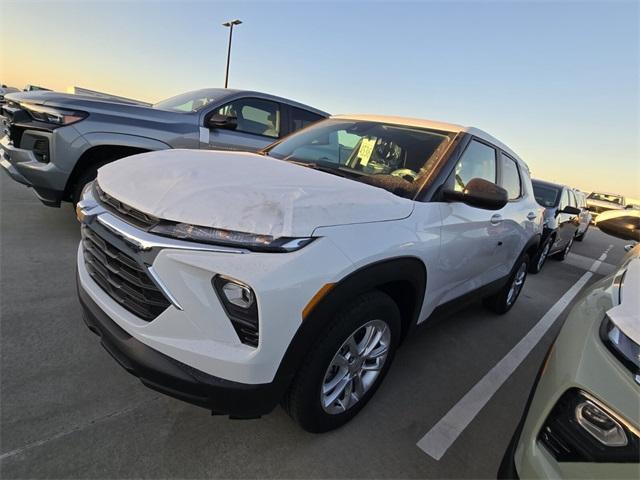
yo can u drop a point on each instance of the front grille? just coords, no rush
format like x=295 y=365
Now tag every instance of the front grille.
x=125 y=212
x=121 y=277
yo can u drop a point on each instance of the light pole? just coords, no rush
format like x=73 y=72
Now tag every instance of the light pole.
x=229 y=24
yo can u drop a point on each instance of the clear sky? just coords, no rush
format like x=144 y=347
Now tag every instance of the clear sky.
x=556 y=81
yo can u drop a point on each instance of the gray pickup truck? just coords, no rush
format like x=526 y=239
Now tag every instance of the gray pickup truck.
x=55 y=142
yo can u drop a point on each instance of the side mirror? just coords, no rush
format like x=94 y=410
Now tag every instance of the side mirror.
x=218 y=120
x=570 y=210
x=479 y=193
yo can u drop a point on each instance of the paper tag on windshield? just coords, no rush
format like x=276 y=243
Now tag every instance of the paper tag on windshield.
x=204 y=135
x=365 y=150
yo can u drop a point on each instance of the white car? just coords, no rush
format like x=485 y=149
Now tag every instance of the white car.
x=582 y=419
x=236 y=280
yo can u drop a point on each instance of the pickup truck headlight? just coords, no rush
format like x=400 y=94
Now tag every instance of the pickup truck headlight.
x=57 y=116
x=217 y=236
x=623 y=347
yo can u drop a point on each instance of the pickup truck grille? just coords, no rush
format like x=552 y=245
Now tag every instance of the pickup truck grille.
x=122 y=277
x=125 y=212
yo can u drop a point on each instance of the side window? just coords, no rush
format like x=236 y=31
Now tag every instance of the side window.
x=572 y=199
x=564 y=200
x=477 y=161
x=510 y=177
x=260 y=117
x=301 y=118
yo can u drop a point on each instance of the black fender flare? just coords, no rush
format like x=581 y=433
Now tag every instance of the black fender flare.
x=403 y=278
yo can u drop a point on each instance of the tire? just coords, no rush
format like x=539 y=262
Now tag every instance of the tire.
x=560 y=256
x=502 y=301
x=580 y=237
x=88 y=175
x=308 y=400
x=541 y=256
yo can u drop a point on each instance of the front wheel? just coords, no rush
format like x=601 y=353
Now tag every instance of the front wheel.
x=346 y=366
x=502 y=301
x=564 y=253
x=581 y=236
x=541 y=257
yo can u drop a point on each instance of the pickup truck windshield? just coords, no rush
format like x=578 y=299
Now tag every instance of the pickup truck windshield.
x=603 y=197
x=186 y=102
x=388 y=156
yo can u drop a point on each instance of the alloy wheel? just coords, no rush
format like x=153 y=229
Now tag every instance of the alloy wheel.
x=517 y=284
x=543 y=255
x=355 y=367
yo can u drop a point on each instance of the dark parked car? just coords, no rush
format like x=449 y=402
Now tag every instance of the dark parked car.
x=561 y=222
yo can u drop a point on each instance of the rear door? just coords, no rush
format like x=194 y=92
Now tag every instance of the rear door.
x=259 y=122
x=518 y=216
x=300 y=118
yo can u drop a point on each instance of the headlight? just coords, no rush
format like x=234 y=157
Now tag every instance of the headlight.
x=581 y=428
x=219 y=236
x=57 y=116
x=623 y=347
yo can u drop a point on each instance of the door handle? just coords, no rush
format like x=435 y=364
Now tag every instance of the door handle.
x=496 y=219
x=531 y=216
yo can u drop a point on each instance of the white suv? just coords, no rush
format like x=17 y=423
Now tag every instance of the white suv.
x=236 y=281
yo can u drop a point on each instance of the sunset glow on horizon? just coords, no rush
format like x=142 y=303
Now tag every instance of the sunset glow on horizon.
x=557 y=81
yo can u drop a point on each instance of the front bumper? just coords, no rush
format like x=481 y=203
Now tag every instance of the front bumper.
x=173 y=378
x=579 y=360
x=46 y=179
x=194 y=331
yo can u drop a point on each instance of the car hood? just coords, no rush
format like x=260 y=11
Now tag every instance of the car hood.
x=110 y=107
x=245 y=192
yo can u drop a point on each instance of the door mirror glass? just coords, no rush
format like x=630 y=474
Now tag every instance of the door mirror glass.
x=479 y=193
x=218 y=120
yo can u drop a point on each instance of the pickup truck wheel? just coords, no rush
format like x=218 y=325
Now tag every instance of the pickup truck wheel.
x=506 y=298
x=347 y=364
x=88 y=175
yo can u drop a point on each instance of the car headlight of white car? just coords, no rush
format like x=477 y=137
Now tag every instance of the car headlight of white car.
x=218 y=236
x=623 y=347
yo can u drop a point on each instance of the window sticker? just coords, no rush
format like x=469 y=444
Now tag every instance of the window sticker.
x=365 y=150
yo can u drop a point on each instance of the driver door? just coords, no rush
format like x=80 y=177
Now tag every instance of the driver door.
x=258 y=125
x=471 y=237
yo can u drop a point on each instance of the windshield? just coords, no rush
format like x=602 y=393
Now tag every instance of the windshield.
x=393 y=157
x=187 y=102
x=545 y=195
x=603 y=197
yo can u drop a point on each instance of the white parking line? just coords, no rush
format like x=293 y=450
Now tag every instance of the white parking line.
x=437 y=441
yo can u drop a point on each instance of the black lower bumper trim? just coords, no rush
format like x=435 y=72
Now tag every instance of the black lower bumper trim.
x=173 y=378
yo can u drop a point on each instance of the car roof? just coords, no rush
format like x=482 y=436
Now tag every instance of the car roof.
x=431 y=124
x=231 y=93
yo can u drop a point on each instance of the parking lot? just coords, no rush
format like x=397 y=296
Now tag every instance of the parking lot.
x=69 y=410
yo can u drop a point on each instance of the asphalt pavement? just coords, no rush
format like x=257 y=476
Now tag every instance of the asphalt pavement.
x=68 y=410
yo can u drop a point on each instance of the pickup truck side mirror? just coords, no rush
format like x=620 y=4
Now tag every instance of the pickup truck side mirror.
x=225 y=122
x=479 y=193
x=570 y=210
